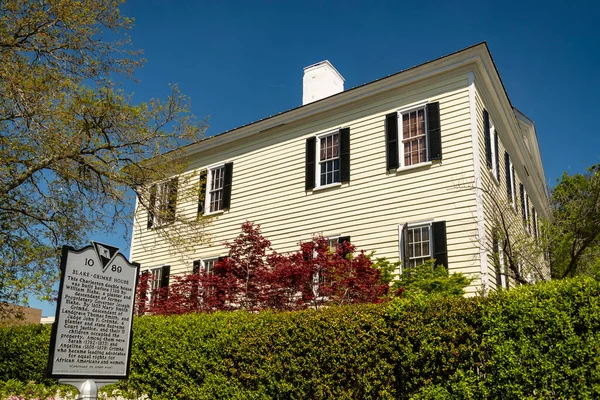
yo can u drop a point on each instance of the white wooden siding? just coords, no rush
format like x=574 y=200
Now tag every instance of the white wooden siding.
x=497 y=190
x=268 y=185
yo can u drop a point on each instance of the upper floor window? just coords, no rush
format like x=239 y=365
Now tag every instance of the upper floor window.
x=413 y=136
x=491 y=145
x=414 y=139
x=328 y=159
x=524 y=207
x=215 y=189
x=163 y=203
x=510 y=178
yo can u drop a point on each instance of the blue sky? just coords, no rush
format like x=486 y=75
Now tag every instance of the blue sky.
x=241 y=61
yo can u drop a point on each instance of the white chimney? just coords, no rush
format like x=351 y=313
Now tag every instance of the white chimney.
x=320 y=80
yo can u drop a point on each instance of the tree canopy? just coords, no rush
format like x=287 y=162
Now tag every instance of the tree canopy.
x=574 y=232
x=72 y=144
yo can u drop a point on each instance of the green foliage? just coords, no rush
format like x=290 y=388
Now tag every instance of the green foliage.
x=533 y=342
x=72 y=145
x=573 y=235
x=386 y=268
x=36 y=391
x=24 y=352
x=428 y=279
x=544 y=341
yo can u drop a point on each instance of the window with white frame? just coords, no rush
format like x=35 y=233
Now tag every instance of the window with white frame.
x=204 y=266
x=414 y=141
x=216 y=184
x=155 y=280
x=328 y=167
x=163 y=203
x=495 y=166
x=509 y=170
x=418 y=244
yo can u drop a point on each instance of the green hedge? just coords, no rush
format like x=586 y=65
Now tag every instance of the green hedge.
x=533 y=342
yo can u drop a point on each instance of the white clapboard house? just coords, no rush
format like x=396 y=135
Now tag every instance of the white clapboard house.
x=393 y=166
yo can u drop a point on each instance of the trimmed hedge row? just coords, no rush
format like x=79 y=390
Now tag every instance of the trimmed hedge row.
x=532 y=342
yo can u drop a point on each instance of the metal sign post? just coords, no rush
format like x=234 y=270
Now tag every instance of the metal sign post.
x=91 y=337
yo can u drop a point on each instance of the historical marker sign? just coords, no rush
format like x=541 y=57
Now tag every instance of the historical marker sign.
x=91 y=335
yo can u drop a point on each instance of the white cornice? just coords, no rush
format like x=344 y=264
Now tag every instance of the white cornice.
x=478 y=57
x=505 y=120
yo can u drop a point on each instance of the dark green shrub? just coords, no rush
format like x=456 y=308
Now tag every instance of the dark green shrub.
x=528 y=343
x=543 y=341
x=24 y=352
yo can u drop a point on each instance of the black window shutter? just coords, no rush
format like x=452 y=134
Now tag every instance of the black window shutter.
x=533 y=222
x=311 y=150
x=391 y=141
x=488 y=143
x=151 y=206
x=440 y=250
x=227 y=178
x=404 y=245
x=514 y=181
x=343 y=239
x=523 y=209
x=345 y=155
x=508 y=172
x=497 y=157
x=172 y=206
x=434 y=131
x=196 y=267
x=164 y=276
x=202 y=192
x=219 y=259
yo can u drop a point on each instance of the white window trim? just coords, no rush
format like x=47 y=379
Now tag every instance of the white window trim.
x=206 y=259
x=207 y=195
x=331 y=185
x=513 y=184
x=151 y=272
x=414 y=225
x=495 y=160
x=404 y=110
x=503 y=281
x=318 y=137
x=527 y=216
x=333 y=237
x=157 y=221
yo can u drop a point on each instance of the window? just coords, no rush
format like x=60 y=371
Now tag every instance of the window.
x=421 y=242
x=215 y=191
x=205 y=265
x=163 y=203
x=414 y=139
x=214 y=194
x=328 y=159
x=491 y=151
x=534 y=221
x=413 y=136
x=524 y=207
x=418 y=245
x=498 y=261
x=158 y=279
x=510 y=178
